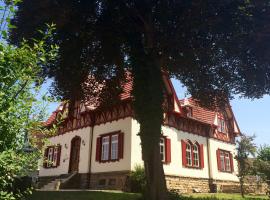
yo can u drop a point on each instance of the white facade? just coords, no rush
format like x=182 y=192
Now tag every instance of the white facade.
x=132 y=152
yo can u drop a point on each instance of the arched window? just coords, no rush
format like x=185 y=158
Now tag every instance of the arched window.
x=192 y=154
x=196 y=162
x=188 y=154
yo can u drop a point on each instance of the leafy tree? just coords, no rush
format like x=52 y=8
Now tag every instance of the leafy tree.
x=216 y=48
x=262 y=164
x=245 y=148
x=20 y=110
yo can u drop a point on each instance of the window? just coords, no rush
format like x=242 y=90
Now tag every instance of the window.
x=195 y=155
x=225 y=161
x=221 y=125
x=109 y=147
x=114 y=147
x=162 y=149
x=192 y=154
x=188 y=154
x=189 y=111
x=105 y=148
x=165 y=149
x=52 y=156
x=55 y=157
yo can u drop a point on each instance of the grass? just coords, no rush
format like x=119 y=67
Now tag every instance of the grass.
x=98 y=195
x=226 y=196
x=82 y=195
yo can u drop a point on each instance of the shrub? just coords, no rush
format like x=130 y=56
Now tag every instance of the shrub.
x=138 y=180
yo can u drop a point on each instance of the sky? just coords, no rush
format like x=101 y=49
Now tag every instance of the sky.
x=253 y=117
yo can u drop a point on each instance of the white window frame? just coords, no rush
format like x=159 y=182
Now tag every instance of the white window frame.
x=162 y=149
x=221 y=125
x=225 y=161
x=114 y=146
x=188 y=154
x=55 y=156
x=50 y=157
x=105 y=148
x=196 y=156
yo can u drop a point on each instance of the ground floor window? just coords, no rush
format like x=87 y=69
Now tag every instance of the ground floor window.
x=52 y=156
x=165 y=149
x=109 y=147
x=192 y=154
x=224 y=161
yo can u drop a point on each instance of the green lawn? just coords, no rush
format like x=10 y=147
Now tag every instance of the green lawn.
x=226 y=196
x=93 y=195
x=83 y=195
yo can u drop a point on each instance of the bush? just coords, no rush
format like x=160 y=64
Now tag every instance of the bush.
x=138 y=180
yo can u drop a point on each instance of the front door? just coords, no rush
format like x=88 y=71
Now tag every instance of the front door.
x=75 y=154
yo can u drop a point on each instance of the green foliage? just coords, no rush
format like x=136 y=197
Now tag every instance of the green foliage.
x=262 y=164
x=245 y=148
x=138 y=179
x=21 y=112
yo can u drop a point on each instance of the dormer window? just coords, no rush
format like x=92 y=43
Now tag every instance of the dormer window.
x=189 y=111
x=222 y=125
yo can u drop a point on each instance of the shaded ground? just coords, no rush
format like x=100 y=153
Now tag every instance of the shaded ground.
x=82 y=195
x=97 y=195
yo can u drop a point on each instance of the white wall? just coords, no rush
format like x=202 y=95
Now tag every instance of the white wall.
x=124 y=125
x=175 y=167
x=214 y=145
x=65 y=140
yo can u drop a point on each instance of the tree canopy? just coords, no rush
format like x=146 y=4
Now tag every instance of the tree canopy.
x=213 y=47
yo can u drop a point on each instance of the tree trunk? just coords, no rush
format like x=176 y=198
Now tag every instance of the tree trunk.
x=148 y=100
x=242 y=187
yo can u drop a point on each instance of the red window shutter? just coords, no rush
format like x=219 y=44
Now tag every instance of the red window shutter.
x=184 y=161
x=98 y=149
x=168 y=150
x=218 y=160
x=201 y=156
x=58 y=155
x=121 y=145
x=45 y=157
x=231 y=162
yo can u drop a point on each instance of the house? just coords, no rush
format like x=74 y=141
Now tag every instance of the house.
x=101 y=146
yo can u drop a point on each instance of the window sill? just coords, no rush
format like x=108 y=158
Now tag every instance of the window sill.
x=227 y=172
x=108 y=161
x=193 y=167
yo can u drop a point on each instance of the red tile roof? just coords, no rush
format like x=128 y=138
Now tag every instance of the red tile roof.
x=199 y=113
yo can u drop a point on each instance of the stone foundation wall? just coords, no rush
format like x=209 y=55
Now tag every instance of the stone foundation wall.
x=110 y=181
x=187 y=184
x=120 y=181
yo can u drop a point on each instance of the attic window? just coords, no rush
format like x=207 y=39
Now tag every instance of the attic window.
x=222 y=125
x=189 y=111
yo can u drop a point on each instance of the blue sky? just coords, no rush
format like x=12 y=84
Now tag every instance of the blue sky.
x=253 y=117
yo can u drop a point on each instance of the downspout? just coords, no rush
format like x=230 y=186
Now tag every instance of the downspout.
x=91 y=151
x=209 y=161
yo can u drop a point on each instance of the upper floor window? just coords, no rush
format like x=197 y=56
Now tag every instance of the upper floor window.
x=189 y=111
x=225 y=161
x=222 y=125
x=165 y=149
x=109 y=147
x=52 y=156
x=192 y=154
